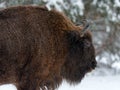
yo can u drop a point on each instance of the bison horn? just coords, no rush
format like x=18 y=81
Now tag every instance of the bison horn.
x=85 y=27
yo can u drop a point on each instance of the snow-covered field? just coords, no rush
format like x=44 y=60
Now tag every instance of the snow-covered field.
x=95 y=83
x=88 y=83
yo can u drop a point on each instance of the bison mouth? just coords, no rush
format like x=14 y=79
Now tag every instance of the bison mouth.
x=91 y=66
x=89 y=69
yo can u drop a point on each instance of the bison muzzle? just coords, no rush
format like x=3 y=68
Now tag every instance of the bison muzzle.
x=39 y=48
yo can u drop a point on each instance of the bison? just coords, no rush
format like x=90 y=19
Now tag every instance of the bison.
x=40 y=47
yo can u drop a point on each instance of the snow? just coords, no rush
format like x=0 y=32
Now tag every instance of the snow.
x=95 y=83
x=54 y=2
x=117 y=3
x=116 y=65
x=94 y=2
x=8 y=87
x=88 y=83
x=3 y=5
x=80 y=4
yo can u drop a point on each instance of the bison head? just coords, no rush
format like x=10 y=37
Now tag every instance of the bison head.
x=81 y=56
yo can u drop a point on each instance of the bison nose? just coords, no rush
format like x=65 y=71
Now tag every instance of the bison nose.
x=93 y=64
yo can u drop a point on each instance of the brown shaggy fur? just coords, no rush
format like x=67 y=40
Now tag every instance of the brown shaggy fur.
x=40 y=48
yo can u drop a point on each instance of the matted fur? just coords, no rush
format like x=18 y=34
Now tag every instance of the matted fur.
x=40 y=48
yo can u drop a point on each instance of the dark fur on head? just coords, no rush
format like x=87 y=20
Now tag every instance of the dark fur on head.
x=81 y=57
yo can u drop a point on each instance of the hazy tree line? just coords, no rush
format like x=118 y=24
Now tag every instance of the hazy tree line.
x=104 y=18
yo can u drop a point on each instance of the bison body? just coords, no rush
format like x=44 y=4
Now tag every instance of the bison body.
x=40 y=48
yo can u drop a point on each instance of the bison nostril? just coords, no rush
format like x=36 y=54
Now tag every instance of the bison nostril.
x=93 y=64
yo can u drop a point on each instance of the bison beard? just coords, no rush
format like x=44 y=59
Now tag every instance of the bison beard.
x=40 y=48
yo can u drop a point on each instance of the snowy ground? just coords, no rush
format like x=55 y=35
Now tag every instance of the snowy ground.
x=88 y=83
x=95 y=83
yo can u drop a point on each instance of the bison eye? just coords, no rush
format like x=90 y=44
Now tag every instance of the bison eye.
x=87 y=43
